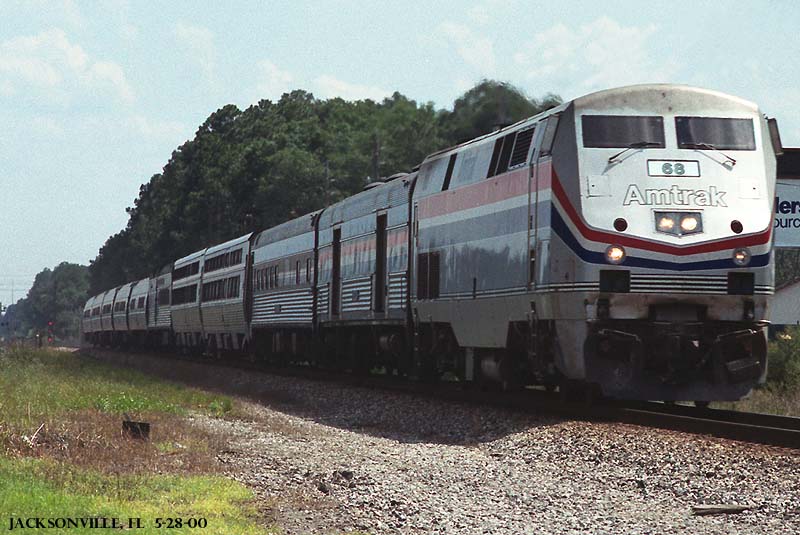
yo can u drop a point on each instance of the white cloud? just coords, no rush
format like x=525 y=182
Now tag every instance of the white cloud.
x=48 y=63
x=475 y=50
x=199 y=42
x=106 y=73
x=327 y=86
x=273 y=82
x=596 y=55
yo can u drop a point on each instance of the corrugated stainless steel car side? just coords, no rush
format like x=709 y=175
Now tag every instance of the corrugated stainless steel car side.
x=187 y=320
x=120 y=308
x=352 y=231
x=159 y=309
x=87 y=321
x=224 y=317
x=137 y=306
x=283 y=276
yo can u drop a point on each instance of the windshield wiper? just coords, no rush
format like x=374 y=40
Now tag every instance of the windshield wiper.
x=708 y=146
x=636 y=145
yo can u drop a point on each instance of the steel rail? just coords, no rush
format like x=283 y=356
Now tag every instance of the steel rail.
x=760 y=428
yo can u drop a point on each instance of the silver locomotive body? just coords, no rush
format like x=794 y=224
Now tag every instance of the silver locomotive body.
x=621 y=240
x=673 y=231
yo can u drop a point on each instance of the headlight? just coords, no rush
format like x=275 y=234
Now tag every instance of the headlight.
x=741 y=257
x=689 y=223
x=665 y=223
x=615 y=254
x=679 y=223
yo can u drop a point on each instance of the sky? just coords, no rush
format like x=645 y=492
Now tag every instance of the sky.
x=95 y=95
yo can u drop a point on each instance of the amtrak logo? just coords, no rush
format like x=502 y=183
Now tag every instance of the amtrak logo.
x=675 y=196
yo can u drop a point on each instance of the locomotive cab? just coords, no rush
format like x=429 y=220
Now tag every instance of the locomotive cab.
x=671 y=217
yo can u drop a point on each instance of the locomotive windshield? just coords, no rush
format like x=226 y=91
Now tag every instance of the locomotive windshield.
x=715 y=133
x=622 y=131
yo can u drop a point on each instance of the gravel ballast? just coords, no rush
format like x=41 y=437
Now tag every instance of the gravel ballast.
x=328 y=458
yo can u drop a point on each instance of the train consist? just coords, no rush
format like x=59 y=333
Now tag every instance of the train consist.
x=620 y=241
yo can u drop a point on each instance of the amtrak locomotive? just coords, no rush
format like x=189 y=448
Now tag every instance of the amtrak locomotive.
x=620 y=241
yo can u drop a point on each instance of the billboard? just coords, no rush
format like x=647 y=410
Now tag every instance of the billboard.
x=787 y=199
x=787 y=213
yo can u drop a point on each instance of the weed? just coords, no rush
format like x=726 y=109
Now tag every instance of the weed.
x=220 y=407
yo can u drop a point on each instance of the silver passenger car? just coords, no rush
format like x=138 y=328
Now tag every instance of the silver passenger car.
x=87 y=321
x=106 y=316
x=363 y=255
x=283 y=286
x=222 y=298
x=159 y=316
x=120 y=310
x=137 y=307
x=187 y=321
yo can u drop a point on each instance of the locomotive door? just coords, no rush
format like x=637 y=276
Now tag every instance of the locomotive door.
x=533 y=199
x=248 y=296
x=380 y=264
x=538 y=242
x=336 y=272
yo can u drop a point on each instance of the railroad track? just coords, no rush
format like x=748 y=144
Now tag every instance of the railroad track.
x=746 y=426
x=770 y=429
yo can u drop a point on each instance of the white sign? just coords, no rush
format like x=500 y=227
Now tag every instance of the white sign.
x=787 y=213
x=673 y=168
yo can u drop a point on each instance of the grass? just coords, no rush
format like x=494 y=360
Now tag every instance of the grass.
x=37 y=386
x=63 y=452
x=69 y=407
x=47 y=489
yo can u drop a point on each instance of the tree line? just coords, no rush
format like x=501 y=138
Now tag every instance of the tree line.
x=53 y=306
x=250 y=170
